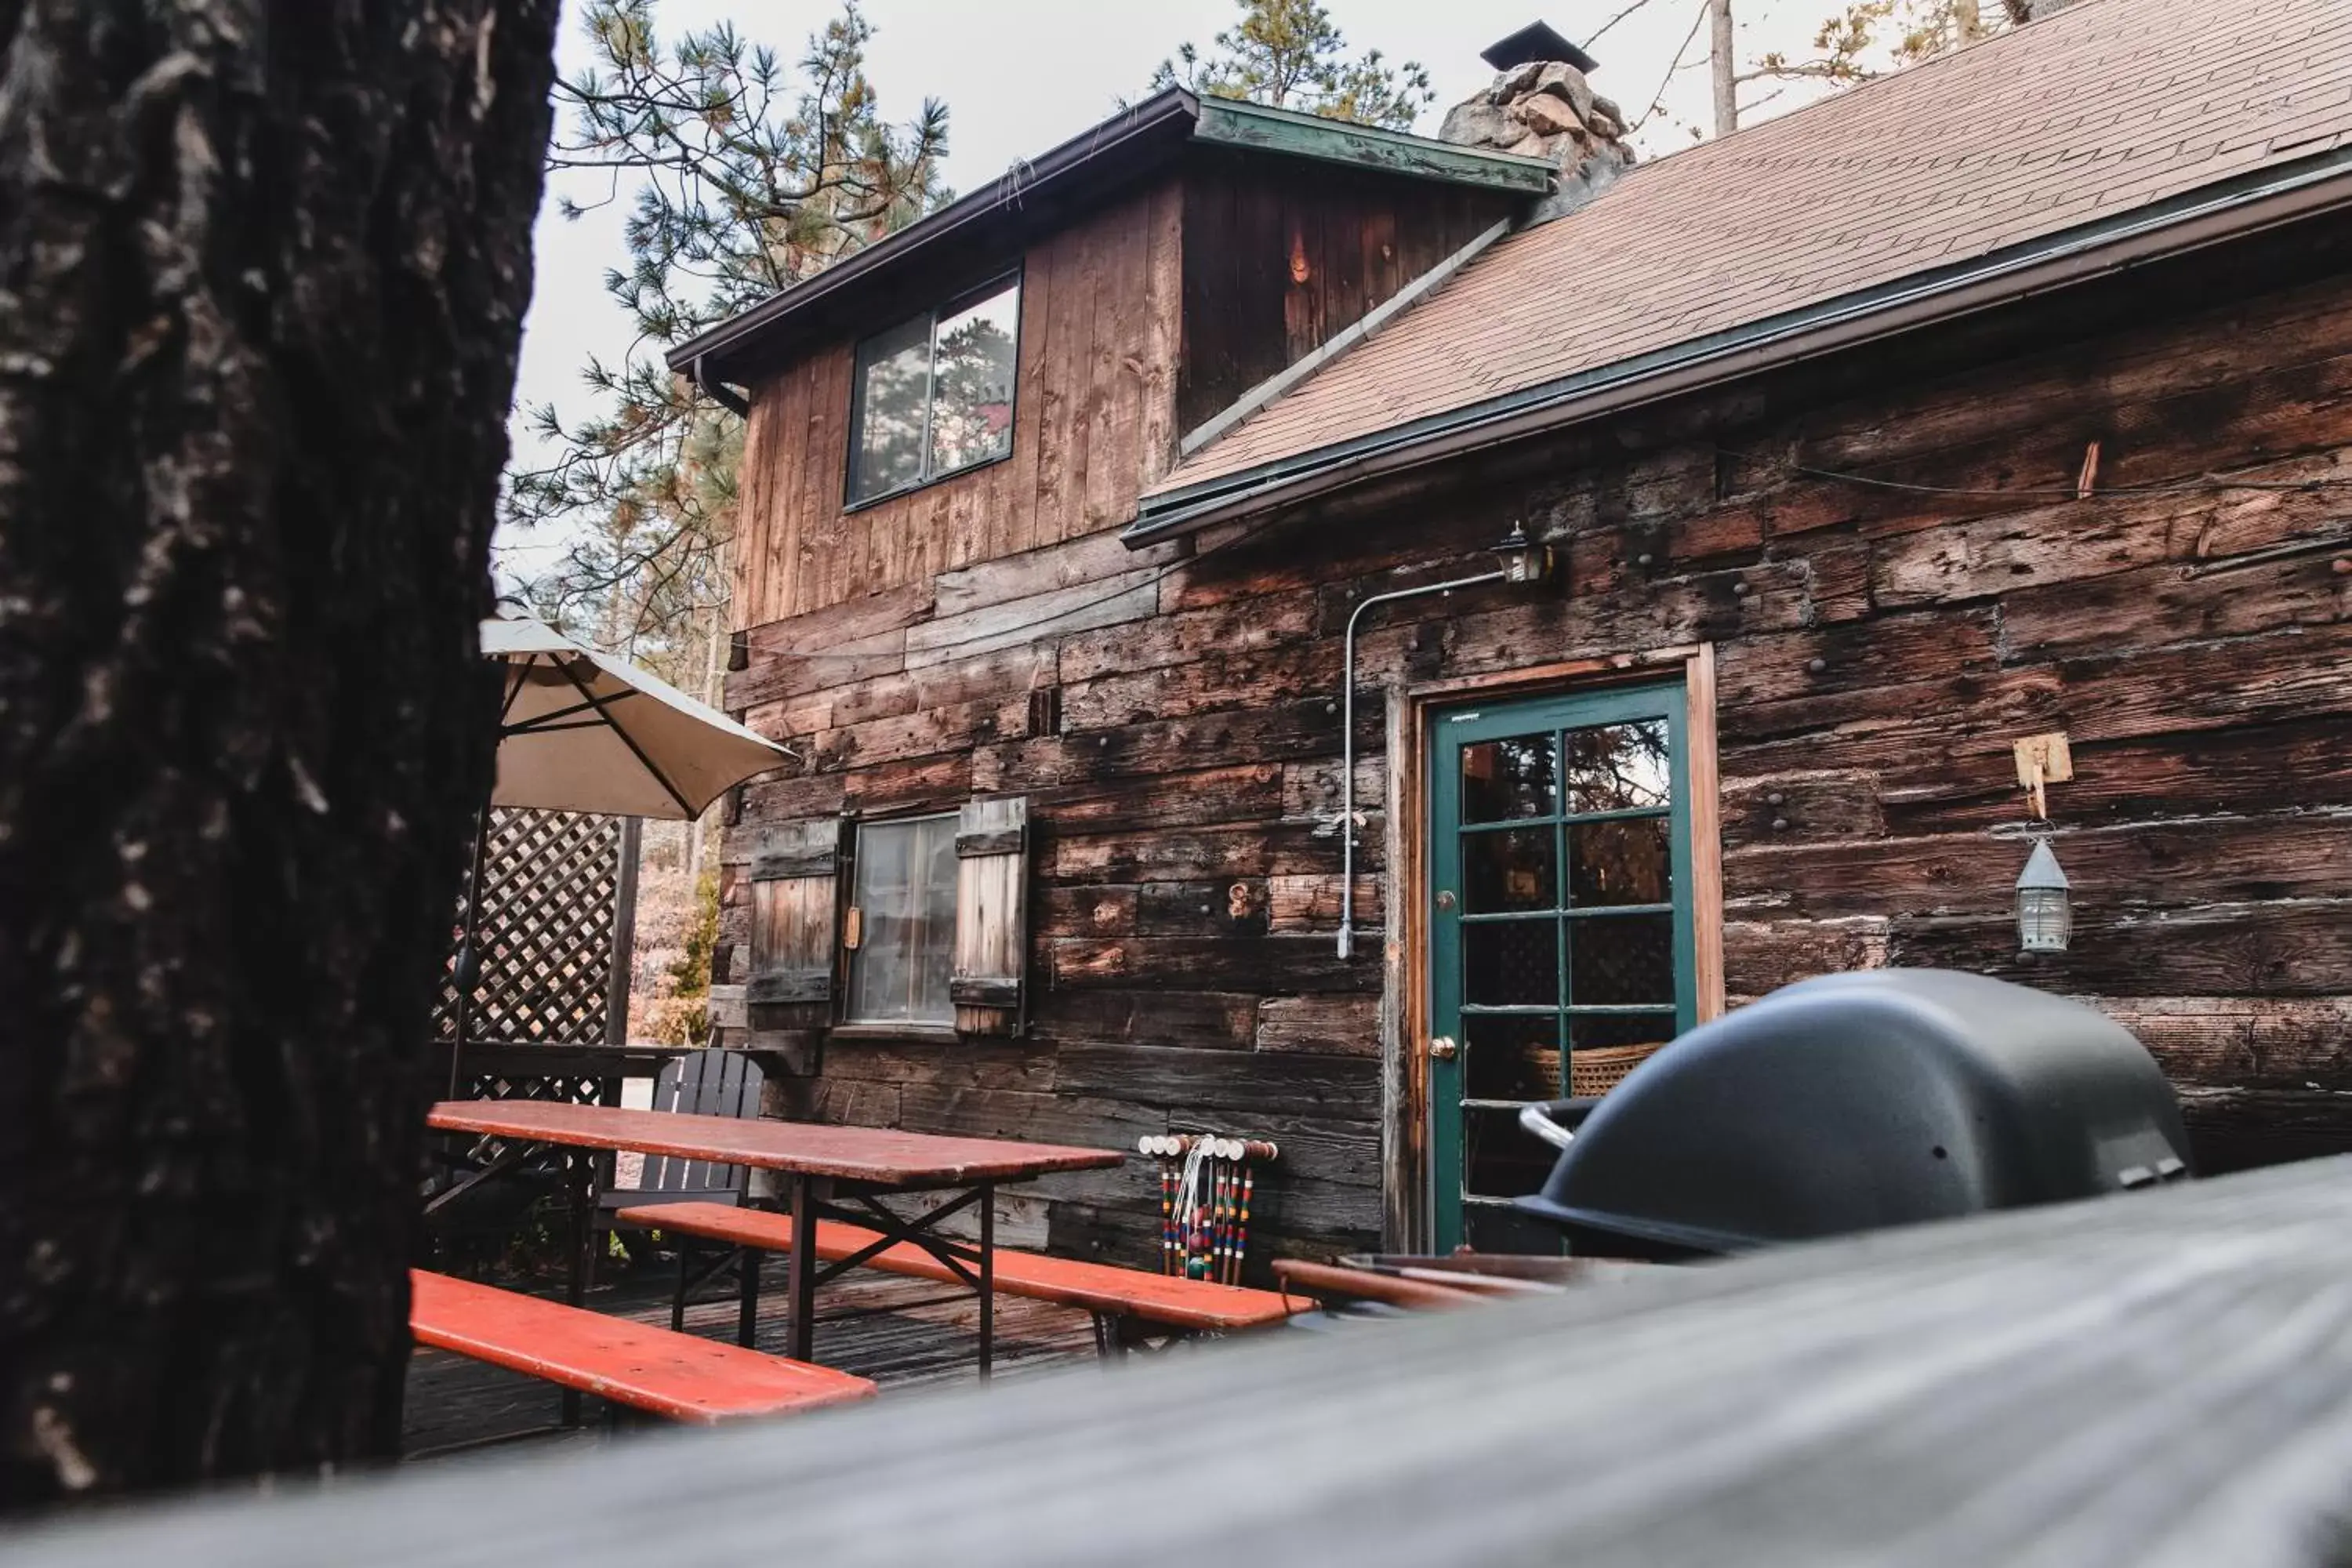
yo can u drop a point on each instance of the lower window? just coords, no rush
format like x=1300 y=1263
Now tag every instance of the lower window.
x=902 y=919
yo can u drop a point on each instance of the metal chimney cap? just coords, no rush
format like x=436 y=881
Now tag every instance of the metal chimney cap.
x=1537 y=41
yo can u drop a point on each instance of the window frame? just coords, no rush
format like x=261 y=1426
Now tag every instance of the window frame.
x=846 y=1024
x=1017 y=278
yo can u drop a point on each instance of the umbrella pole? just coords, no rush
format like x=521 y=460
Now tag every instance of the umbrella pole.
x=470 y=962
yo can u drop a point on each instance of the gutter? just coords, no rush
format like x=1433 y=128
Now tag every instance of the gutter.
x=718 y=391
x=2188 y=223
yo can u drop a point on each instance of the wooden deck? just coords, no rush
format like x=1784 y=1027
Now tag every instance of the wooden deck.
x=900 y=1332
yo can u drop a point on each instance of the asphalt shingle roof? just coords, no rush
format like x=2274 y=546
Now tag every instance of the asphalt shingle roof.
x=2108 y=106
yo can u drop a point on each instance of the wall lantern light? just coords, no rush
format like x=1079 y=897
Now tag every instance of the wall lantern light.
x=2045 y=914
x=1524 y=561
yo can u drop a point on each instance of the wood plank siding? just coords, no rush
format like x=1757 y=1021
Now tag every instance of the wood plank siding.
x=1275 y=266
x=1885 y=555
x=1092 y=425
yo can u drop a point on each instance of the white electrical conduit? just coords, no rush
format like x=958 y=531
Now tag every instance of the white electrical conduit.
x=1347 y=748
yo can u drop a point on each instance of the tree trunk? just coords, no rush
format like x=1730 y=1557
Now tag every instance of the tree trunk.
x=1723 y=66
x=263 y=265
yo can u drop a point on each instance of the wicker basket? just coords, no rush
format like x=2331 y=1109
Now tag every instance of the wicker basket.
x=1600 y=1068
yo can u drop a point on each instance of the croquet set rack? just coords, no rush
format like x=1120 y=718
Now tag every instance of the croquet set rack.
x=1206 y=1184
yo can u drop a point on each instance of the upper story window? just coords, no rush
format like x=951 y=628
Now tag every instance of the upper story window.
x=934 y=394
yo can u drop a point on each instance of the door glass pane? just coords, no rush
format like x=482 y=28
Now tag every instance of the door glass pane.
x=1510 y=871
x=1614 y=1031
x=1510 y=778
x=904 y=889
x=1618 y=767
x=1625 y=860
x=1508 y=962
x=972 y=396
x=1611 y=1045
x=1500 y=1159
x=1489 y=1229
x=1622 y=960
x=1511 y=1057
x=894 y=373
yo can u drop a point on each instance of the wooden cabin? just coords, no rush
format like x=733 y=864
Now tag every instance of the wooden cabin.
x=1960 y=425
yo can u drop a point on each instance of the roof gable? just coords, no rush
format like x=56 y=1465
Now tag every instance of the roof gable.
x=1055 y=188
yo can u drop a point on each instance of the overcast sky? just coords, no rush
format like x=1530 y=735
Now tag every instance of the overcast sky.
x=1019 y=76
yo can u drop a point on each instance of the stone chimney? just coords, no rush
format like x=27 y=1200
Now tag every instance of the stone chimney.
x=1540 y=105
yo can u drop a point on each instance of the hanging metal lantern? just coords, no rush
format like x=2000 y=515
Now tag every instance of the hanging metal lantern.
x=2045 y=912
x=1523 y=560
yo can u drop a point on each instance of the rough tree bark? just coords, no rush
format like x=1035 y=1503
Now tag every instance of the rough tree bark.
x=262 y=270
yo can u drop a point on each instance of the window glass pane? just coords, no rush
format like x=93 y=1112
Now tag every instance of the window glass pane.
x=1508 y=870
x=1628 y=860
x=1503 y=779
x=1511 y=1056
x=1620 y=961
x=905 y=893
x=971 y=387
x=1617 y=767
x=1511 y=962
x=886 y=450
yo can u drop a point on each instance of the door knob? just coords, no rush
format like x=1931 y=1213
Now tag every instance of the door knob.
x=1442 y=1048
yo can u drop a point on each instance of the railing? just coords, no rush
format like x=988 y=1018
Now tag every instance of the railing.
x=2161 y=1378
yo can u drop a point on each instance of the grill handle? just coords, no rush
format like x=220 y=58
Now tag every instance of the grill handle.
x=1556 y=1121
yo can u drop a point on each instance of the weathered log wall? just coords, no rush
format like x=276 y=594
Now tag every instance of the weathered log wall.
x=1890 y=560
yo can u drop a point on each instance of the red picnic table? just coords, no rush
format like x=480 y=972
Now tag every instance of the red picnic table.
x=828 y=1170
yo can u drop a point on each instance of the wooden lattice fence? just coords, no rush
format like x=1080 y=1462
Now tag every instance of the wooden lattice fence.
x=557 y=895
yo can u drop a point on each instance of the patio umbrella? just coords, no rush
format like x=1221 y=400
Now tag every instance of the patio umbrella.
x=582 y=730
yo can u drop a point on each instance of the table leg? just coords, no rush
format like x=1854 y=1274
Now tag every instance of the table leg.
x=747 y=1298
x=583 y=1196
x=684 y=1269
x=987 y=1278
x=801 y=1289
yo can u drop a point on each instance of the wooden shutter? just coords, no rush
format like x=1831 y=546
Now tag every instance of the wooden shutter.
x=795 y=892
x=992 y=935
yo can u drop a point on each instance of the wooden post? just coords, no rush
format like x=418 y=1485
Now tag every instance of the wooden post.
x=624 y=932
x=1723 y=65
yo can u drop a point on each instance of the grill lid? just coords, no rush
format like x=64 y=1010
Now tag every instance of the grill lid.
x=1856 y=1102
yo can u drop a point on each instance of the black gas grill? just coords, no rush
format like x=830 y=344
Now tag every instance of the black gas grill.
x=1856 y=1102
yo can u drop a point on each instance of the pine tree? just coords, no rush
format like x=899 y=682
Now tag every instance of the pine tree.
x=1288 y=53
x=748 y=187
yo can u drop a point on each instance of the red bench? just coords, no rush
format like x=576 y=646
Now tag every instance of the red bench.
x=1118 y=1298
x=677 y=1376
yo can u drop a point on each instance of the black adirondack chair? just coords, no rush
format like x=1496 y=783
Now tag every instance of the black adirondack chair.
x=706 y=1083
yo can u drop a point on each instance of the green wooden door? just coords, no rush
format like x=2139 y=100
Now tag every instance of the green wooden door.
x=1559 y=920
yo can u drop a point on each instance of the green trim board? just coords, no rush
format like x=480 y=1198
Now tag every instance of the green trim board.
x=1258 y=127
x=1532 y=951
